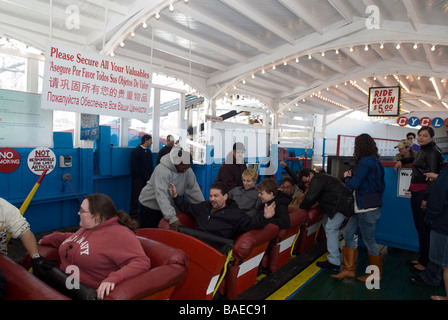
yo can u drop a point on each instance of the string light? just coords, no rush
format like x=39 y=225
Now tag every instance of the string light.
x=286 y=60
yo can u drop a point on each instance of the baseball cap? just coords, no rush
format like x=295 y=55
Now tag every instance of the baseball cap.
x=403 y=143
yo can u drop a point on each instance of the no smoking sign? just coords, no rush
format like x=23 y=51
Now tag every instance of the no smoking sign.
x=9 y=160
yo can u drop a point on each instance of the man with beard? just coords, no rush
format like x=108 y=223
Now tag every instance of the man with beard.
x=219 y=215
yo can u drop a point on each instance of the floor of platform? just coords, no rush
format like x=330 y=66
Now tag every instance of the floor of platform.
x=316 y=284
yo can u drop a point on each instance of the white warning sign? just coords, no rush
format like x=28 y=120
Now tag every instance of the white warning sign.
x=40 y=159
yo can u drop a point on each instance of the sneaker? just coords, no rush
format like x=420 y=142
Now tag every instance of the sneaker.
x=327 y=265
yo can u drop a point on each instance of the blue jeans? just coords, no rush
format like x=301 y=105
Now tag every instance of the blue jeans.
x=366 y=223
x=331 y=227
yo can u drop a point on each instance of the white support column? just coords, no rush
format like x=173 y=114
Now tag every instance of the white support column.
x=156 y=121
x=32 y=75
x=210 y=108
x=182 y=130
x=124 y=132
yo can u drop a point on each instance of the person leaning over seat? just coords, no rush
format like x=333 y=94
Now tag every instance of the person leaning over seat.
x=334 y=198
x=156 y=202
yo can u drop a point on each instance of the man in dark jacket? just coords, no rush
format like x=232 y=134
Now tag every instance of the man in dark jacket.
x=230 y=172
x=141 y=171
x=221 y=216
x=334 y=198
x=166 y=149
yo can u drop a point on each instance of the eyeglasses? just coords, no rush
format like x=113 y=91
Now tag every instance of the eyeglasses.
x=81 y=210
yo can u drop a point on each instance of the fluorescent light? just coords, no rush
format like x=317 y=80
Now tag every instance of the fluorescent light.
x=434 y=84
x=424 y=102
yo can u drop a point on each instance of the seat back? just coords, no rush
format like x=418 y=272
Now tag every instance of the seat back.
x=168 y=269
x=161 y=253
x=184 y=219
x=22 y=285
x=280 y=253
x=309 y=230
x=205 y=263
x=248 y=251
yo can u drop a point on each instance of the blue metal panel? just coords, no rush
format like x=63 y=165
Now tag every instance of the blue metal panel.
x=103 y=152
x=396 y=225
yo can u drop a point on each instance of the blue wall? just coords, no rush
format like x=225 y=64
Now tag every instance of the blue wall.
x=106 y=169
x=54 y=204
x=396 y=225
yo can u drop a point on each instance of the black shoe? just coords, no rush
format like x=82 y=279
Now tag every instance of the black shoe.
x=418 y=281
x=327 y=265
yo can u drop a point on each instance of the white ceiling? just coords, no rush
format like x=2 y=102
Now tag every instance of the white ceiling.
x=230 y=47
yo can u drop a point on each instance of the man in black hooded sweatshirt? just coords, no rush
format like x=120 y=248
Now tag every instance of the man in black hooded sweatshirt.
x=219 y=215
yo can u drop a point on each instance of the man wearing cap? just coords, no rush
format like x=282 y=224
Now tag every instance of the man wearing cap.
x=411 y=137
x=156 y=202
x=405 y=154
x=166 y=149
x=230 y=172
x=141 y=171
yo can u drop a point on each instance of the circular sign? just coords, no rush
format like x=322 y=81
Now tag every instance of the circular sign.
x=402 y=121
x=9 y=160
x=425 y=122
x=41 y=159
x=413 y=121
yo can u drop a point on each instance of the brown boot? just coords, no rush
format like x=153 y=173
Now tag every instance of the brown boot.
x=348 y=264
x=375 y=261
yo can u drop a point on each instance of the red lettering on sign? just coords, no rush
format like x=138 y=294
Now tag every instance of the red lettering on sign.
x=425 y=122
x=9 y=160
x=402 y=121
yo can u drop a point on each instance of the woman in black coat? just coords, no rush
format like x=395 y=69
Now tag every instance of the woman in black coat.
x=428 y=159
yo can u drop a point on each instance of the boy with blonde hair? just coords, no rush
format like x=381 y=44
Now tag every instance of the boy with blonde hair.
x=246 y=197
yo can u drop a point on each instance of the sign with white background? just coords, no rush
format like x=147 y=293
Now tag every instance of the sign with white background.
x=82 y=81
